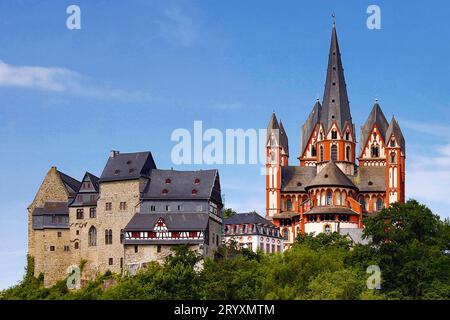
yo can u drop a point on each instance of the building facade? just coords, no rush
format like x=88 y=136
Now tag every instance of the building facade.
x=134 y=213
x=335 y=184
x=251 y=231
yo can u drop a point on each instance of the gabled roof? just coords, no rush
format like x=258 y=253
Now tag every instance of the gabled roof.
x=308 y=126
x=179 y=221
x=377 y=117
x=52 y=208
x=335 y=104
x=330 y=209
x=394 y=129
x=85 y=200
x=180 y=185
x=128 y=166
x=94 y=180
x=249 y=217
x=296 y=178
x=370 y=179
x=72 y=185
x=331 y=175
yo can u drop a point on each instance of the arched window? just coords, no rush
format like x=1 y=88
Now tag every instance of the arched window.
x=334 y=152
x=327 y=229
x=272 y=156
x=375 y=152
x=347 y=153
x=347 y=135
x=321 y=153
x=392 y=143
x=362 y=202
x=286 y=234
x=344 y=198
x=393 y=157
x=329 y=198
x=313 y=151
x=92 y=237
x=289 y=205
x=338 y=198
x=322 y=200
x=334 y=134
x=379 y=204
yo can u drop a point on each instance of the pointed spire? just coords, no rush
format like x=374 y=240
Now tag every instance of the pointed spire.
x=335 y=99
x=308 y=126
x=284 y=139
x=273 y=125
x=377 y=117
x=394 y=129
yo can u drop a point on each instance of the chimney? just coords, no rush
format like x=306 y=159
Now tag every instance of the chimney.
x=114 y=153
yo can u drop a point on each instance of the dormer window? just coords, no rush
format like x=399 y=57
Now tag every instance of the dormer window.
x=128 y=162
x=334 y=134
x=165 y=192
x=197 y=181
x=375 y=151
x=194 y=192
x=347 y=135
x=130 y=171
x=116 y=172
x=168 y=181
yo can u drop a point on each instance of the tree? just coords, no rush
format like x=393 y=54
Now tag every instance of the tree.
x=228 y=213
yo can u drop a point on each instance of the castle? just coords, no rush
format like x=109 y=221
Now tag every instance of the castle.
x=329 y=191
x=133 y=214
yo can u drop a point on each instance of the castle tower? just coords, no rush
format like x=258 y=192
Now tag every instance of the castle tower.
x=277 y=155
x=328 y=134
x=395 y=163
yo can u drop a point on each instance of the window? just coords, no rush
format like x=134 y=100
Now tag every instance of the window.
x=199 y=207
x=327 y=229
x=329 y=198
x=121 y=263
x=136 y=250
x=92 y=212
x=362 y=202
x=347 y=135
x=334 y=134
x=165 y=191
x=348 y=153
x=168 y=181
x=78 y=232
x=180 y=207
x=289 y=205
x=152 y=208
x=158 y=248
x=334 y=152
x=92 y=237
x=123 y=206
x=122 y=235
x=217 y=239
x=194 y=192
x=76 y=245
x=321 y=153
x=110 y=261
x=313 y=151
x=80 y=213
x=93 y=198
x=108 y=236
x=52 y=248
x=375 y=152
x=167 y=207
x=108 y=206
x=286 y=234
x=80 y=198
x=66 y=248
x=196 y=181
x=393 y=157
x=59 y=234
x=392 y=143
x=379 y=204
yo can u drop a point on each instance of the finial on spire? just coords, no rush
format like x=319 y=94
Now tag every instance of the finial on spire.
x=376 y=99
x=333 y=16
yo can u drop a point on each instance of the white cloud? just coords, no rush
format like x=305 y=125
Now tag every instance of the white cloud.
x=177 y=28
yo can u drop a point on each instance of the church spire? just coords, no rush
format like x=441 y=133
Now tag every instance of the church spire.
x=335 y=100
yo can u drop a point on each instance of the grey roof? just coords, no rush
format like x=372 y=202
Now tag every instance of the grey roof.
x=86 y=201
x=163 y=241
x=308 y=126
x=335 y=89
x=370 y=179
x=249 y=217
x=52 y=208
x=182 y=183
x=394 y=129
x=174 y=221
x=377 y=117
x=126 y=166
x=94 y=180
x=355 y=234
x=331 y=175
x=72 y=185
x=330 y=209
x=284 y=141
x=296 y=178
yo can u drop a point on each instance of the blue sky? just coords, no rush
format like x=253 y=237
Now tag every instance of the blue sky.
x=139 y=69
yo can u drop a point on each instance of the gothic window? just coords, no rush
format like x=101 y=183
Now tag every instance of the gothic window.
x=338 y=198
x=327 y=229
x=362 y=202
x=375 y=151
x=313 y=151
x=379 y=204
x=347 y=135
x=92 y=237
x=344 y=199
x=329 y=198
x=334 y=134
x=334 y=153
x=347 y=153
x=392 y=143
x=321 y=153
x=272 y=156
x=289 y=205
x=393 y=157
x=286 y=234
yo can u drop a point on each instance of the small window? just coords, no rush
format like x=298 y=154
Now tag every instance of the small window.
x=92 y=212
x=110 y=261
x=108 y=236
x=393 y=157
x=158 y=248
x=108 y=206
x=116 y=172
x=136 y=249
x=375 y=151
x=80 y=213
x=128 y=162
x=347 y=153
x=313 y=151
x=196 y=181
x=194 y=192
x=52 y=248
x=168 y=181
x=76 y=245
x=78 y=232
x=131 y=170
x=66 y=248
x=392 y=143
x=92 y=237
x=123 y=206
x=329 y=198
x=327 y=229
x=286 y=234
x=59 y=234
x=165 y=191
x=334 y=134
x=180 y=207
x=167 y=207
x=334 y=153
x=152 y=208
x=217 y=240
x=347 y=135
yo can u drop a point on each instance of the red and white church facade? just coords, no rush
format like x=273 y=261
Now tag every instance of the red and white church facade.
x=335 y=185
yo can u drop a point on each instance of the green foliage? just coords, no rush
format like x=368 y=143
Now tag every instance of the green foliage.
x=227 y=213
x=408 y=243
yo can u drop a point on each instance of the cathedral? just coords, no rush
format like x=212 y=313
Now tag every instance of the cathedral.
x=329 y=190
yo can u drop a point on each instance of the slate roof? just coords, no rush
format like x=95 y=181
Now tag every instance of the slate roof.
x=330 y=209
x=284 y=141
x=308 y=126
x=377 y=117
x=335 y=89
x=182 y=183
x=127 y=166
x=72 y=185
x=292 y=176
x=394 y=129
x=52 y=208
x=370 y=179
x=282 y=136
x=177 y=221
x=249 y=217
x=94 y=180
x=331 y=175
